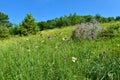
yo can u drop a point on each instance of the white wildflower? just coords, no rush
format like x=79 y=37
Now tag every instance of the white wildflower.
x=65 y=39
x=74 y=59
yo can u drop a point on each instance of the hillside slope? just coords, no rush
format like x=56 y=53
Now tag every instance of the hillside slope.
x=49 y=56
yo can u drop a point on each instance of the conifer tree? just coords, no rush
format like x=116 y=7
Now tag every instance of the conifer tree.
x=4 y=26
x=28 y=25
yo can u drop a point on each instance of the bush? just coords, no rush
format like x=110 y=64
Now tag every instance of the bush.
x=86 y=30
x=111 y=31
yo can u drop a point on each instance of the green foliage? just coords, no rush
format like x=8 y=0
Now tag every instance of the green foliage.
x=4 y=32
x=111 y=31
x=111 y=19
x=63 y=21
x=4 y=19
x=117 y=18
x=102 y=19
x=74 y=19
x=29 y=26
x=88 y=18
x=15 y=30
x=104 y=66
x=4 y=26
x=98 y=17
x=43 y=25
x=35 y=58
x=51 y=24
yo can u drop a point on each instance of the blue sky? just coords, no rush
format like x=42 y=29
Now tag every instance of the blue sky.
x=43 y=10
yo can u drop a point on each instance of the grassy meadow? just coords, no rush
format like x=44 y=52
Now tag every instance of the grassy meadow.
x=48 y=56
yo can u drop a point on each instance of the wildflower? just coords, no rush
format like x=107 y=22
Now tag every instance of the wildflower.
x=92 y=36
x=49 y=37
x=65 y=39
x=74 y=59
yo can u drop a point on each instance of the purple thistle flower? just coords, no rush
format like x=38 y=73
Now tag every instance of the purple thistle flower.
x=49 y=37
x=92 y=36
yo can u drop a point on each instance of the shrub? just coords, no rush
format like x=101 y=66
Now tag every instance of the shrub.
x=86 y=30
x=111 y=31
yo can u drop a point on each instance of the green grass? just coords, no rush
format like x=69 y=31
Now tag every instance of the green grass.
x=40 y=58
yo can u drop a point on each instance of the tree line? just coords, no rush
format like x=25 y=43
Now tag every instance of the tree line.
x=29 y=26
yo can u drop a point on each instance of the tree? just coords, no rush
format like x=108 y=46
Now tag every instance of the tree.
x=110 y=19
x=103 y=20
x=4 y=19
x=63 y=21
x=4 y=31
x=43 y=25
x=98 y=17
x=4 y=26
x=117 y=18
x=15 y=30
x=88 y=18
x=50 y=24
x=74 y=19
x=28 y=25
